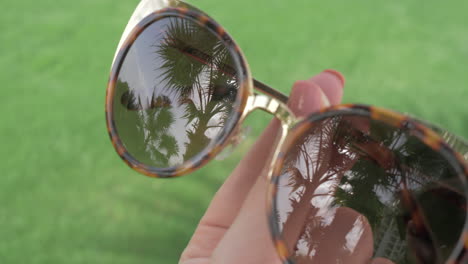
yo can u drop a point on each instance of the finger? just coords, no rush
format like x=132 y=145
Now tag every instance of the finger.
x=251 y=222
x=306 y=97
x=332 y=86
x=381 y=261
x=229 y=198
x=347 y=239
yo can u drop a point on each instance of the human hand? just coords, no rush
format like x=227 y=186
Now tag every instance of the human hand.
x=234 y=229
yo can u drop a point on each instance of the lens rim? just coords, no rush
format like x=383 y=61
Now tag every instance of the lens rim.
x=244 y=91
x=391 y=118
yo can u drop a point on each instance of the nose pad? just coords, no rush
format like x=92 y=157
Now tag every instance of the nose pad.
x=242 y=133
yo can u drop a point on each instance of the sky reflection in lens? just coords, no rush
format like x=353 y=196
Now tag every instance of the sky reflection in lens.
x=353 y=189
x=175 y=92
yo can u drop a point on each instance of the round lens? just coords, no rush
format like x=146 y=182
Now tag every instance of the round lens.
x=175 y=92
x=357 y=190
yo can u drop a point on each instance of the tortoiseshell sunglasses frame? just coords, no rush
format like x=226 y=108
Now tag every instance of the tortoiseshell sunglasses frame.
x=274 y=103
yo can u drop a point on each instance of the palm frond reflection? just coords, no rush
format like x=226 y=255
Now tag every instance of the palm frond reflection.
x=369 y=188
x=192 y=58
x=179 y=96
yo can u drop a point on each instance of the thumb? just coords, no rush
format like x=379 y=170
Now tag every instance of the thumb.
x=248 y=239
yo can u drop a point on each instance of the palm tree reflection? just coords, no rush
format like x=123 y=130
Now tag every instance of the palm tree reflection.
x=389 y=177
x=151 y=119
x=194 y=69
x=190 y=98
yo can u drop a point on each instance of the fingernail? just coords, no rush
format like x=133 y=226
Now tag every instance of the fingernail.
x=307 y=97
x=331 y=83
x=337 y=75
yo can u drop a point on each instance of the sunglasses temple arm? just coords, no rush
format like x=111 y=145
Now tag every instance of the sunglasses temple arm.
x=457 y=143
x=267 y=90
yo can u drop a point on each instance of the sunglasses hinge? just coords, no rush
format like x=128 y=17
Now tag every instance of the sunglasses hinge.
x=273 y=106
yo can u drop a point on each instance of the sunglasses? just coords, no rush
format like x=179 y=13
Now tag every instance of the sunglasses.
x=179 y=91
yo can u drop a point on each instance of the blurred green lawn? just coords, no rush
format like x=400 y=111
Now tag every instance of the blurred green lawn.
x=68 y=198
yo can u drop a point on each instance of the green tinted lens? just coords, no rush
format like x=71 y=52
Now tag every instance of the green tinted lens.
x=176 y=90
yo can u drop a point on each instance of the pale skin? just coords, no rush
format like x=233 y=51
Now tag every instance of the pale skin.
x=234 y=228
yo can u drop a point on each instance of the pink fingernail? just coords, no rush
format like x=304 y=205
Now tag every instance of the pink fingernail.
x=307 y=97
x=338 y=75
x=331 y=82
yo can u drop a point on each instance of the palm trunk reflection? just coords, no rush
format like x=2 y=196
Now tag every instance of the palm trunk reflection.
x=346 y=164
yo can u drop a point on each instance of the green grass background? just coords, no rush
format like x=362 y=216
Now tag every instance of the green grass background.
x=65 y=195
